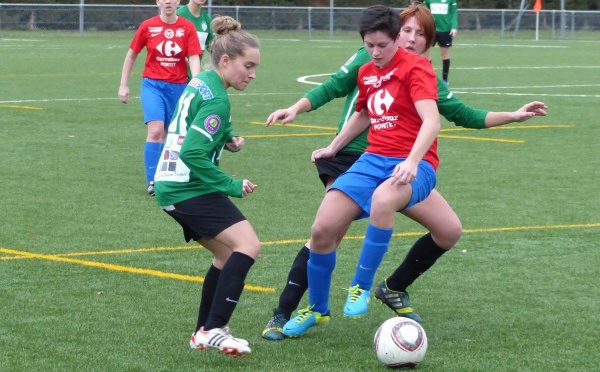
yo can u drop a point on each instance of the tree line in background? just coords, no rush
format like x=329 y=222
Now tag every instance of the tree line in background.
x=467 y=4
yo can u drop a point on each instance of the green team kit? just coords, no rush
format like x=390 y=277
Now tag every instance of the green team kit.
x=444 y=14
x=202 y=23
x=201 y=125
x=343 y=83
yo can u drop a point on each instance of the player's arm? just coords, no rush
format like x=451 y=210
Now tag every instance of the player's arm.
x=338 y=85
x=130 y=58
x=199 y=146
x=494 y=119
x=453 y=19
x=358 y=122
x=463 y=115
x=194 y=63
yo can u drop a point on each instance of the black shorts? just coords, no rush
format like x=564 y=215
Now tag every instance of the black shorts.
x=443 y=39
x=205 y=216
x=334 y=167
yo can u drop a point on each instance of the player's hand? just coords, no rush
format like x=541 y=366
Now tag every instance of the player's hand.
x=247 y=188
x=322 y=153
x=530 y=110
x=285 y=115
x=453 y=33
x=124 y=93
x=235 y=145
x=404 y=173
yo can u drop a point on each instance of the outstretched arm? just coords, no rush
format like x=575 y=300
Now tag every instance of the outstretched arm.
x=494 y=119
x=287 y=115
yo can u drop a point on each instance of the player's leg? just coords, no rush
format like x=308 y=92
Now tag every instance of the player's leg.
x=241 y=240
x=329 y=170
x=445 y=42
x=436 y=215
x=153 y=106
x=217 y=224
x=336 y=213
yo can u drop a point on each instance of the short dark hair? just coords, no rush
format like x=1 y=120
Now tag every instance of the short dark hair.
x=379 y=18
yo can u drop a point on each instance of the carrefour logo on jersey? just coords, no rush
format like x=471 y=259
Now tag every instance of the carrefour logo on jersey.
x=380 y=102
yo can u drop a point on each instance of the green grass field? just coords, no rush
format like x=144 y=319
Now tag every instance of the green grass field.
x=95 y=277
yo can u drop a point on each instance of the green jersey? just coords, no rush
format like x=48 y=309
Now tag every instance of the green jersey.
x=201 y=125
x=202 y=23
x=343 y=84
x=444 y=14
x=203 y=30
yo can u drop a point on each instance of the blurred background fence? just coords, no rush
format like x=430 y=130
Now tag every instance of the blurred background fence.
x=555 y=24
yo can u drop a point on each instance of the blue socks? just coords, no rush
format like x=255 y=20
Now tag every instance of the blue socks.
x=152 y=152
x=374 y=248
x=320 y=267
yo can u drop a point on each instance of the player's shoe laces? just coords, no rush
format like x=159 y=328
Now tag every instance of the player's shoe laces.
x=220 y=339
x=305 y=319
x=397 y=301
x=274 y=329
x=151 y=188
x=357 y=302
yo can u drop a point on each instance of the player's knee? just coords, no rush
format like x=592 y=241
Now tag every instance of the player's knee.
x=449 y=235
x=323 y=236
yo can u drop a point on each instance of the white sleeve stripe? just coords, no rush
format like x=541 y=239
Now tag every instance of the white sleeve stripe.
x=344 y=69
x=195 y=127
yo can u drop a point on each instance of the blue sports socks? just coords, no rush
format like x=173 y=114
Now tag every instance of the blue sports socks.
x=374 y=248
x=320 y=267
x=152 y=152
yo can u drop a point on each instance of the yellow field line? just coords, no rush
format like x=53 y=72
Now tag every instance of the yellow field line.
x=134 y=270
x=480 y=138
x=296 y=126
x=439 y=136
x=162 y=274
x=22 y=107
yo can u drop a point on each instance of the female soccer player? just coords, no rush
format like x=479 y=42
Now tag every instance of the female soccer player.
x=168 y=40
x=341 y=84
x=194 y=13
x=193 y=190
x=397 y=98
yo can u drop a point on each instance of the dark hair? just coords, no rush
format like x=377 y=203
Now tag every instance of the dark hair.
x=379 y=18
x=230 y=39
x=424 y=19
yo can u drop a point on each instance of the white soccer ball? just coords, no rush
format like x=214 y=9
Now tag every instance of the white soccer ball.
x=400 y=343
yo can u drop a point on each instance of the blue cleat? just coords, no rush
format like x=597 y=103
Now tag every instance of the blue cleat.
x=305 y=319
x=357 y=302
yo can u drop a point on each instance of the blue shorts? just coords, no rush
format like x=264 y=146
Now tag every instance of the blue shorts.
x=159 y=99
x=371 y=170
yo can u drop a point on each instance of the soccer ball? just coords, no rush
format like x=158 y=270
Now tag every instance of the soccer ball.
x=400 y=343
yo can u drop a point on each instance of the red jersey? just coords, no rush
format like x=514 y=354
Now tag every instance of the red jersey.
x=389 y=95
x=167 y=46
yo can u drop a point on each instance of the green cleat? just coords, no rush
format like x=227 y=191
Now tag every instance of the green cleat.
x=397 y=301
x=274 y=329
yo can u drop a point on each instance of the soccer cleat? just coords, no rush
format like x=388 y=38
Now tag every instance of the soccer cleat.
x=274 y=329
x=305 y=319
x=357 y=302
x=225 y=329
x=397 y=301
x=151 y=188
x=222 y=340
x=445 y=82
